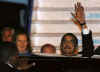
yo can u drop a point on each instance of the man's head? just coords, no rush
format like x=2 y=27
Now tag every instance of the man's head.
x=48 y=48
x=69 y=44
x=7 y=34
x=22 y=42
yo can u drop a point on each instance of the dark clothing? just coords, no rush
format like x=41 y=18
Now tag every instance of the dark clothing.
x=5 y=68
x=5 y=43
x=97 y=51
x=26 y=60
x=7 y=50
x=87 y=45
x=32 y=69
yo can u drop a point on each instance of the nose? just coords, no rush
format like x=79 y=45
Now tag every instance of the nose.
x=68 y=47
x=23 y=42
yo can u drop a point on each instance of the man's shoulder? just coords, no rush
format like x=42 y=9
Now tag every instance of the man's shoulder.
x=97 y=51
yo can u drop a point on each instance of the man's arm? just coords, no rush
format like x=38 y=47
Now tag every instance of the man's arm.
x=79 y=20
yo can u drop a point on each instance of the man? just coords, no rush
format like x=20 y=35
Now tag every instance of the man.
x=69 y=45
x=48 y=49
x=24 y=51
x=7 y=34
x=79 y=20
x=7 y=37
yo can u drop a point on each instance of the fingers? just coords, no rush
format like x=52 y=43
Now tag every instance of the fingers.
x=75 y=18
x=79 y=13
x=75 y=22
x=78 y=7
x=73 y=15
x=75 y=8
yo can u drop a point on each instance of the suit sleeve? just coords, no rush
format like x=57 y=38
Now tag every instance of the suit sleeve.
x=87 y=45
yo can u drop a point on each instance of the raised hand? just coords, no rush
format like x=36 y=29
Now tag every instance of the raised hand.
x=79 y=15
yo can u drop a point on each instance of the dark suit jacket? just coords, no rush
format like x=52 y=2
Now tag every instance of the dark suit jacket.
x=87 y=45
x=97 y=51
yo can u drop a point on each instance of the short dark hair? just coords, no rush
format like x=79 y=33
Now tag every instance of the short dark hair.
x=48 y=45
x=75 y=41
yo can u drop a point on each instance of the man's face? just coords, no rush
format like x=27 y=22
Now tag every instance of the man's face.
x=68 y=46
x=49 y=50
x=21 y=43
x=7 y=35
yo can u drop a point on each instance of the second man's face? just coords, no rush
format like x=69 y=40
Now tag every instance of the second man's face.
x=68 y=46
x=21 y=43
x=7 y=35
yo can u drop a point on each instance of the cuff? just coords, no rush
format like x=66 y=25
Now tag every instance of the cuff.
x=86 y=31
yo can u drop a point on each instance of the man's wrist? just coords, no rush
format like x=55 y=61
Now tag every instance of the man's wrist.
x=85 y=31
x=83 y=25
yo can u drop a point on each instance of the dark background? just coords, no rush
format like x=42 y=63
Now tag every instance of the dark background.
x=16 y=14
